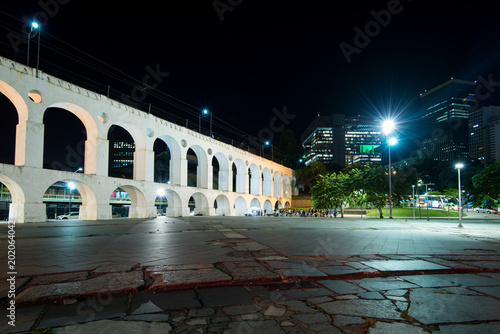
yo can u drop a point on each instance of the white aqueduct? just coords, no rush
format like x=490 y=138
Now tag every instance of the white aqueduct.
x=269 y=186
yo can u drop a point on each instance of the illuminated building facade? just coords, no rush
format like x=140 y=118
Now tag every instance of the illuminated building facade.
x=342 y=140
x=444 y=120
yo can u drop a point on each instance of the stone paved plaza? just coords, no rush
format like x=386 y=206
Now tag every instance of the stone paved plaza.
x=256 y=275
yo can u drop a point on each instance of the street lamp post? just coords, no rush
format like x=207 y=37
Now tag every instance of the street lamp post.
x=419 y=209
x=268 y=143
x=203 y=113
x=413 y=188
x=458 y=167
x=71 y=186
x=34 y=25
x=387 y=128
x=160 y=193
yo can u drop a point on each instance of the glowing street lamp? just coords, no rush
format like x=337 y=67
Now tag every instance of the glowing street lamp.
x=205 y=112
x=34 y=26
x=71 y=186
x=458 y=167
x=160 y=193
x=268 y=143
x=392 y=141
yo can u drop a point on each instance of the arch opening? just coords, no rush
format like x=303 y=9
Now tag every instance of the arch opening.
x=198 y=205
x=65 y=137
x=240 y=206
x=163 y=159
x=121 y=153
x=10 y=120
x=128 y=201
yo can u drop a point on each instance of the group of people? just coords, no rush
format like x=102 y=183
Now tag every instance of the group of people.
x=328 y=213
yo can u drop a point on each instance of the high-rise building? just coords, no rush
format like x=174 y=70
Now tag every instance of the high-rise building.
x=484 y=134
x=342 y=140
x=444 y=120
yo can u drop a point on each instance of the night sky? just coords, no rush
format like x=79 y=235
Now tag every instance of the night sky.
x=246 y=58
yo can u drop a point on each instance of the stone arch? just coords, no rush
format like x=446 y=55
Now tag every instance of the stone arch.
x=138 y=204
x=277 y=184
x=173 y=164
x=268 y=207
x=201 y=204
x=240 y=206
x=239 y=176
x=223 y=207
x=255 y=205
x=287 y=190
x=174 y=203
x=287 y=205
x=223 y=172
x=88 y=208
x=254 y=180
x=266 y=182
x=139 y=139
x=278 y=205
x=21 y=128
x=90 y=155
x=16 y=207
x=202 y=166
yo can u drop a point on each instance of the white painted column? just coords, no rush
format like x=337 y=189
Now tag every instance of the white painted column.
x=102 y=148
x=143 y=165
x=224 y=179
x=178 y=171
x=29 y=144
x=207 y=171
x=230 y=180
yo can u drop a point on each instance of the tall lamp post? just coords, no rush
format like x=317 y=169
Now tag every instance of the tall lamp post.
x=160 y=193
x=458 y=167
x=205 y=112
x=268 y=143
x=413 y=188
x=71 y=186
x=387 y=128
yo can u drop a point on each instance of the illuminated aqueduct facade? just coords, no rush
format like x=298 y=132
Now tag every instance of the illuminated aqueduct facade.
x=269 y=186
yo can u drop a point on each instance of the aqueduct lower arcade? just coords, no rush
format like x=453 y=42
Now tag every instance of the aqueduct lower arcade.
x=219 y=178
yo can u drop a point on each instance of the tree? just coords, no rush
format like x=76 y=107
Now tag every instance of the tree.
x=310 y=174
x=372 y=181
x=331 y=191
x=486 y=191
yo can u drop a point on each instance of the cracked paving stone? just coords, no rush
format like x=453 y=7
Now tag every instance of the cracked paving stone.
x=110 y=326
x=311 y=318
x=274 y=311
x=266 y=326
x=492 y=327
x=114 y=282
x=395 y=328
x=431 y=306
x=382 y=309
x=344 y=320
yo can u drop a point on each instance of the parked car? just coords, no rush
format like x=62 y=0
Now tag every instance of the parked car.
x=71 y=215
x=483 y=210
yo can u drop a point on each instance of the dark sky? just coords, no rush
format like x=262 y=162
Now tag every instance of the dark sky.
x=262 y=55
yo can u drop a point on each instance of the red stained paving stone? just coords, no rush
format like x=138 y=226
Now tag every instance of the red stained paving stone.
x=59 y=278
x=113 y=283
x=177 y=278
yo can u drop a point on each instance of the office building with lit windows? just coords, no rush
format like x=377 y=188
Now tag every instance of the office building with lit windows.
x=444 y=120
x=342 y=140
x=484 y=134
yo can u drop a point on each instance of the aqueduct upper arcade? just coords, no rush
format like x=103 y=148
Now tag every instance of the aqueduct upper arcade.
x=243 y=179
